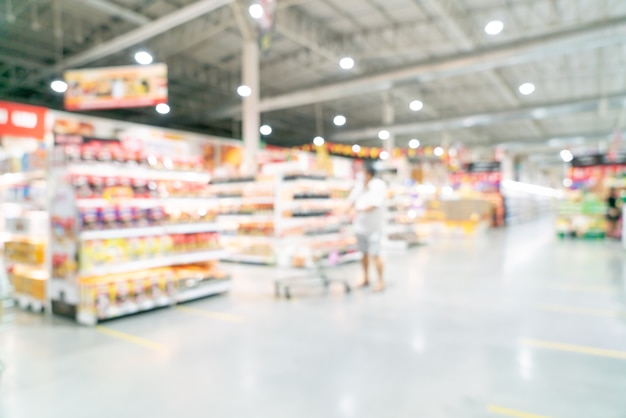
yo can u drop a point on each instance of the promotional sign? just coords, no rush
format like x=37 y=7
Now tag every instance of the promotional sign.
x=22 y=120
x=266 y=24
x=116 y=87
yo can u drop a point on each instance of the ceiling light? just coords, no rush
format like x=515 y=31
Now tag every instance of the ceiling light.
x=356 y=148
x=567 y=156
x=346 y=63
x=384 y=155
x=143 y=58
x=163 y=108
x=384 y=135
x=256 y=11
x=414 y=143
x=527 y=88
x=59 y=86
x=416 y=105
x=494 y=27
x=438 y=151
x=244 y=91
x=339 y=120
x=318 y=141
x=266 y=130
x=568 y=183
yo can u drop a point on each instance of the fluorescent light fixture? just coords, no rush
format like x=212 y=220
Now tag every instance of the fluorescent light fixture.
x=318 y=141
x=163 y=108
x=59 y=86
x=527 y=89
x=266 y=130
x=339 y=120
x=143 y=58
x=416 y=105
x=356 y=148
x=438 y=151
x=384 y=135
x=244 y=91
x=346 y=63
x=567 y=156
x=414 y=143
x=256 y=11
x=494 y=27
x=384 y=155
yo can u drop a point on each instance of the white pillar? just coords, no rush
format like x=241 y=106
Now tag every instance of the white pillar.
x=251 y=114
x=389 y=116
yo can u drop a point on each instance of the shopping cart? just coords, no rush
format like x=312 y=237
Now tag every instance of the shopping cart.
x=318 y=276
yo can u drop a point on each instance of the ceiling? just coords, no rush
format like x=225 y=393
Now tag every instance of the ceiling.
x=435 y=51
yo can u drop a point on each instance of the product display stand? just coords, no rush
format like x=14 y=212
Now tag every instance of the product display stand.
x=283 y=221
x=128 y=237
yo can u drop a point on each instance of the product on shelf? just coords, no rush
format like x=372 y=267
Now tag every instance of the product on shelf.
x=25 y=251
x=29 y=282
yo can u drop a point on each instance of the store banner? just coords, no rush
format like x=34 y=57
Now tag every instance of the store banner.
x=116 y=87
x=22 y=120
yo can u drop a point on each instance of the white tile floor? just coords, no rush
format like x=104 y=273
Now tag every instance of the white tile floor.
x=514 y=322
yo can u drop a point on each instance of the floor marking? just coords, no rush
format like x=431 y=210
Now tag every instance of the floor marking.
x=211 y=314
x=581 y=311
x=512 y=413
x=578 y=288
x=580 y=349
x=133 y=339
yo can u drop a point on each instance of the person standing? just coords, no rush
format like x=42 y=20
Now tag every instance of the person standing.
x=368 y=200
x=613 y=214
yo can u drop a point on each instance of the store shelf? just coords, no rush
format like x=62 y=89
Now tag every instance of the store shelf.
x=148 y=202
x=212 y=288
x=165 y=261
x=139 y=172
x=241 y=200
x=12 y=179
x=149 y=231
x=249 y=259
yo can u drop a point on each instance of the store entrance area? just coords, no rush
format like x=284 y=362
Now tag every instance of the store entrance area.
x=513 y=323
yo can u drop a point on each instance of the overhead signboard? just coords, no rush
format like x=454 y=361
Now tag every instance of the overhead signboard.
x=116 y=87
x=22 y=120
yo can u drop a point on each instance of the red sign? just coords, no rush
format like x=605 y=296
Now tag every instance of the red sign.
x=22 y=120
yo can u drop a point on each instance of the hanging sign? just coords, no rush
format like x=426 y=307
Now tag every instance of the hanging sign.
x=22 y=120
x=116 y=87
x=266 y=24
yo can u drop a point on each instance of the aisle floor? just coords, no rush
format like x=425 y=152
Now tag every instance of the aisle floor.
x=516 y=324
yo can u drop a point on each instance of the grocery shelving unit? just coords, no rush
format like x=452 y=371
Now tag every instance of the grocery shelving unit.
x=129 y=237
x=24 y=240
x=285 y=220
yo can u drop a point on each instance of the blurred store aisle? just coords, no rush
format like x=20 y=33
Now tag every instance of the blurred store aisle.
x=515 y=322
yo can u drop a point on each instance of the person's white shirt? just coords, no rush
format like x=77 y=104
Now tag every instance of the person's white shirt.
x=372 y=194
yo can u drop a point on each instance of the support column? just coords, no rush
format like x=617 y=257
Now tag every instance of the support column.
x=251 y=114
x=389 y=117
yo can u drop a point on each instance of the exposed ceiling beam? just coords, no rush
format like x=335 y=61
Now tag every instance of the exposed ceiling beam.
x=590 y=36
x=547 y=110
x=116 y=10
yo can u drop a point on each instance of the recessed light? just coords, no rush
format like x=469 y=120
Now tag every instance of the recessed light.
x=266 y=130
x=346 y=63
x=256 y=11
x=494 y=27
x=244 y=91
x=527 y=89
x=416 y=105
x=59 y=86
x=318 y=141
x=163 y=108
x=143 y=58
x=339 y=120
x=384 y=135
x=567 y=156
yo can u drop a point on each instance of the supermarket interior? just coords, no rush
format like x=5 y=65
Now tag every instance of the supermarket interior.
x=312 y=208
